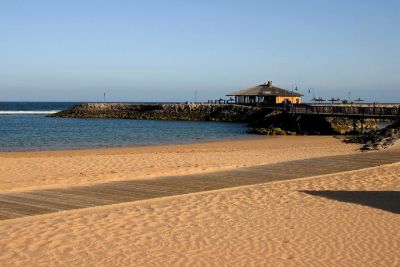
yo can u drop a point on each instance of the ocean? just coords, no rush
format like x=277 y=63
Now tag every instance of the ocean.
x=24 y=126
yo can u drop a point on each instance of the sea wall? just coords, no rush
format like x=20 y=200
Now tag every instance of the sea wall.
x=190 y=112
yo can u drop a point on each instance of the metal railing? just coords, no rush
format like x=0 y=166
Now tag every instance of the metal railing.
x=348 y=110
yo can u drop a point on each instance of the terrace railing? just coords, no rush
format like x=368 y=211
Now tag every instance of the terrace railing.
x=389 y=111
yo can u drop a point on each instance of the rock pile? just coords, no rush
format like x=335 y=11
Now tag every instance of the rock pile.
x=378 y=139
x=276 y=122
x=270 y=131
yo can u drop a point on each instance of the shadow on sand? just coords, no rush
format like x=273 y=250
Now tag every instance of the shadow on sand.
x=385 y=200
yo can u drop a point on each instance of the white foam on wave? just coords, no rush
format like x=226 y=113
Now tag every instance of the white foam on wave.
x=30 y=112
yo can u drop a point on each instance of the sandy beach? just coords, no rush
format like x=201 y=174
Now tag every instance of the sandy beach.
x=34 y=170
x=341 y=219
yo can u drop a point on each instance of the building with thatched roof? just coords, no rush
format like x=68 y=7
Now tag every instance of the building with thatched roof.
x=266 y=93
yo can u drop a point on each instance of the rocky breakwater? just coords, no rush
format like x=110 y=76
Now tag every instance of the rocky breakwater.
x=190 y=112
x=378 y=139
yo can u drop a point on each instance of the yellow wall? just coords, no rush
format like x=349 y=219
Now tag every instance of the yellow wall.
x=295 y=99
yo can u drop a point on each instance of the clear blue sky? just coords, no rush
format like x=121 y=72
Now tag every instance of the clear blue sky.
x=165 y=50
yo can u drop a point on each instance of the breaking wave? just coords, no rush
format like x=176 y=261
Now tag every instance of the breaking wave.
x=27 y=112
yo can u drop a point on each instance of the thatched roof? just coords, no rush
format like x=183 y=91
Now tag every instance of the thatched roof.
x=263 y=90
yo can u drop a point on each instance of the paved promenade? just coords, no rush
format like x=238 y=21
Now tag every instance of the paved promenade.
x=30 y=203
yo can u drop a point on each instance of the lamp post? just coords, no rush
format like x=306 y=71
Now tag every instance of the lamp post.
x=313 y=94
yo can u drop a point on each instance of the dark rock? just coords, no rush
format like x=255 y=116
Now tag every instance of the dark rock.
x=377 y=139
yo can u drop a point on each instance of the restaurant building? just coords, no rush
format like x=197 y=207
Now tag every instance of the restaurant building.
x=266 y=93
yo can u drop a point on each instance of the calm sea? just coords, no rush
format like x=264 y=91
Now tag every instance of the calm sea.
x=25 y=127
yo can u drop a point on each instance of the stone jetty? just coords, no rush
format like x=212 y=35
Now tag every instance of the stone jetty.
x=189 y=112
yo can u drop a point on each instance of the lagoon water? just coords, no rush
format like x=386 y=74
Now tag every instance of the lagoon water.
x=25 y=127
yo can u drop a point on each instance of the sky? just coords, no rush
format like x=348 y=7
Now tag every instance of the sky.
x=166 y=50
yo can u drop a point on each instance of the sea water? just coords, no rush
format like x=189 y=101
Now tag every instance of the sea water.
x=24 y=126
